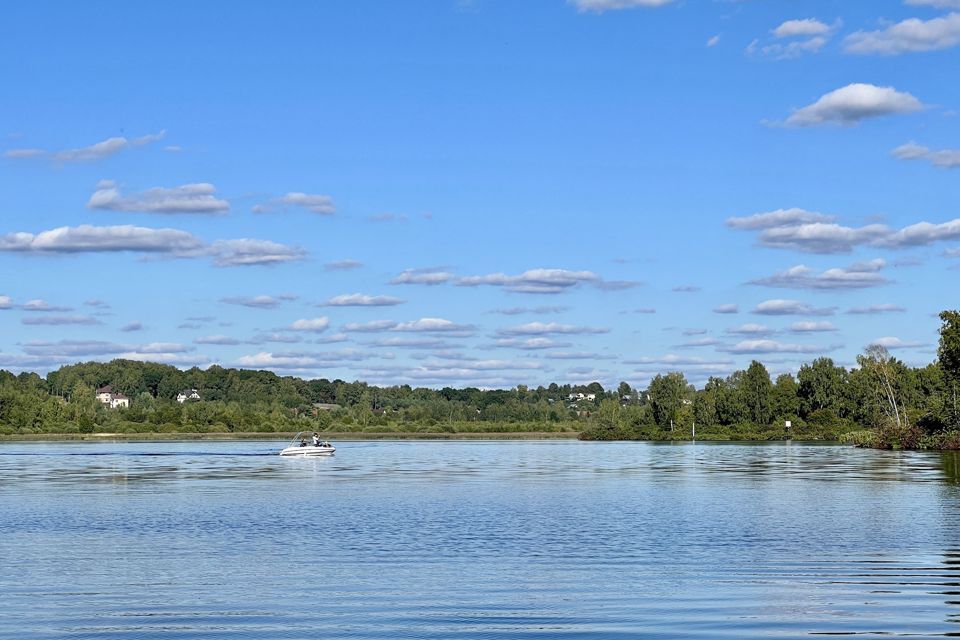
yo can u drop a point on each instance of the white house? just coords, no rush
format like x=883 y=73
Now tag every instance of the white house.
x=187 y=394
x=113 y=399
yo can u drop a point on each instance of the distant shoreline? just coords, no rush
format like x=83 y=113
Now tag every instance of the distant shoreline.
x=99 y=437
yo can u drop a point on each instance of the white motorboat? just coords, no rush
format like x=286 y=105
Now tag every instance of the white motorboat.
x=300 y=447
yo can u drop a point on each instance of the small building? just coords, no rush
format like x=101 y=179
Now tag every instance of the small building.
x=324 y=406
x=113 y=399
x=188 y=394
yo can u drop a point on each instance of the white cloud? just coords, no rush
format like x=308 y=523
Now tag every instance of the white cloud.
x=362 y=300
x=599 y=6
x=545 y=309
x=805 y=27
x=88 y=238
x=751 y=329
x=858 y=276
x=779 y=218
x=790 y=308
x=428 y=276
x=43 y=305
x=246 y=251
x=812 y=327
x=821 y=237
x=436 y=325
x=373 y=326
x=910 y=35
x=531 y=344
x=6 y=302
x=60 y=320
x=944 y=158
x=132 y=326
x=853 y=103
x=541 y=328
x=712 y=42
x=216 y=340
x=342 y=265
x=534 y=281
x=259 y=302
x=923 y=234
x=892 y=342
x=314 y=203
x=727 y=308
x=877 y=309
x=96 y=151
x=188 y=198
x=773 y=346
x=316 y=325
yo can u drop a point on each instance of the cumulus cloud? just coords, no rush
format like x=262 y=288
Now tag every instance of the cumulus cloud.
x=779 y=218
x=342 y=265
x=89 y=238
x=861 y=275
x=315 y=325
x=299 y=360
x=216 y=340
x=576 y=355
x=259 y=302
x=790 y=308
x=772 y=346
x=373 y=326
x=855 y=102
x=826 y=238
x=812 y=326
x=314 y=203
x=805 y=27
x=6 y=302
x=911 y=35
x=877 y=309
x=132 y=326
x=410 y=343
x=892 y=342
x=43 y=305
x=436 y=325
x=247 y=252
x=546 y=328
x=531 y=344
x=185 y=199
x=699 y=342
x=922 y=234
x=96 y=151
x=727 y=308
x=944 y=158
x=428 y=276
x=751 y=329
x=515 y=311
x=534 y=281
x=599 y=6
x=60 y=320
x=362 y=300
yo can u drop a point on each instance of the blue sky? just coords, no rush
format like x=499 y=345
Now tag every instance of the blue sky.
x=478 y=192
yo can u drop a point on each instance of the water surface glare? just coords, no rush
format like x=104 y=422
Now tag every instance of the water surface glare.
x=476 y=540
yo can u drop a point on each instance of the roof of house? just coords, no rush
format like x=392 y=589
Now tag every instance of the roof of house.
x=105 y=389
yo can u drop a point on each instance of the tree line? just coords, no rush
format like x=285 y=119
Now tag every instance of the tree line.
x=881 y=401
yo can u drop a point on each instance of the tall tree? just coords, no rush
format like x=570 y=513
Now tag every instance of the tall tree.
x=666 y=394
x=949 y=355
x=884 y=373
x=757 y=391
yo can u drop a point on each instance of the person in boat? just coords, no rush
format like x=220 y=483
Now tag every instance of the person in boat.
x=303 y=442
x=316 y=439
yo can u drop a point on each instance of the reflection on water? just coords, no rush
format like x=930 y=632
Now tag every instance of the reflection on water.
x=477 y=540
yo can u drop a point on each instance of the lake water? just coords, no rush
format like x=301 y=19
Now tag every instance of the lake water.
x=555 y=539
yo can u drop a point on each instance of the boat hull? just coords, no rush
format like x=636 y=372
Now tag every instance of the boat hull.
x=308 y=451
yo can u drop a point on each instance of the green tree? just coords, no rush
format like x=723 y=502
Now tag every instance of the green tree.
x=666 y=394
x=949 y=356
x=757 y=392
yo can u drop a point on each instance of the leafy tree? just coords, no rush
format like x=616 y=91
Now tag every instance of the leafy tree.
x=757 y=392
x=666 y=394
x=949 y=356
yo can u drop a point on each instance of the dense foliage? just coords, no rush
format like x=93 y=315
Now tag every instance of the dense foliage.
x=881 y=402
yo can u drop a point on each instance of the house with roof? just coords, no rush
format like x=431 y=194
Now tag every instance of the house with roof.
x=113 y=399
x=188 y=394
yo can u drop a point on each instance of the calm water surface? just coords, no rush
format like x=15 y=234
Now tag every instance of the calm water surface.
x=476 y=540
